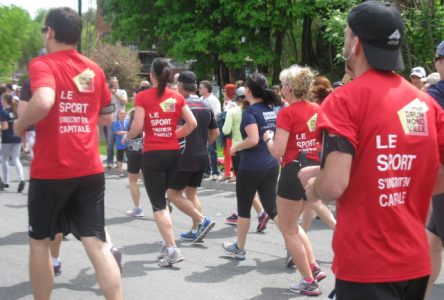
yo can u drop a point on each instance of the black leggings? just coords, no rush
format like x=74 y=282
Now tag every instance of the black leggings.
x=262 y=181
x=159 y=168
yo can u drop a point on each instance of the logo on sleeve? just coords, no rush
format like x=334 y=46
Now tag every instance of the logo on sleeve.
x=311 y=123
x=413 y=118
x=169 y=105
x=85 y=81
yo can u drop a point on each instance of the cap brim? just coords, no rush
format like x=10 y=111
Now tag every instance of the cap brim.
x=383 y=59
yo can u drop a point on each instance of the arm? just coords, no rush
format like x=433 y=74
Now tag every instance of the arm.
x=4 y=126
x=38 y=107
x=136 y=125
x=279 y=144
x=333 y=179
x=251 y=140
x=190 y=123
x=212 y=135
x=121 y=96
x=105 y=120
x=228 y=124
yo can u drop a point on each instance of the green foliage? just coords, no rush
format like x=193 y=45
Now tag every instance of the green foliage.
x=20 y=38
x=120 y=61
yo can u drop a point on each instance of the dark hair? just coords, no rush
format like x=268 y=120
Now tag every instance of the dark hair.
x=161 y=68
x=2 y=90
x=8 y=98
x=9 y=86
x=189 y=87
x=66 y=23
x=257 y=84
x=208 y=85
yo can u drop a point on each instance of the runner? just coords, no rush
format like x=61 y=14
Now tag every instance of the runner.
x=295 y=143
x=66 y=194
x=390 y=135
x=158 y=111
x=258 y=170
x=192 y=161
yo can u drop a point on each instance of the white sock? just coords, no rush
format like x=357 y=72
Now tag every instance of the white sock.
x=163 y=243
x=171 y=250
x=260 y=214
x=55 y=261
x=110 y=246
x=193 y=230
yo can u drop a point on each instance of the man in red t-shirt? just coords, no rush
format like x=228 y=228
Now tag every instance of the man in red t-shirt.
x=66 y=192
x=383 y=143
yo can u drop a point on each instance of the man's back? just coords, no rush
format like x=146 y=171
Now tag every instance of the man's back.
x=381 y=223
x=67 y=139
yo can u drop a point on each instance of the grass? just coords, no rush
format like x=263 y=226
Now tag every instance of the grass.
x=102 y=148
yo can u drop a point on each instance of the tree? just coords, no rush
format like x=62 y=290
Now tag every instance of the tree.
x=120 y=61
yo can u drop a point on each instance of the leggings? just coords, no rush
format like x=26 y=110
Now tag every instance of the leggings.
x=12 y=150
x=262 y=181
x=159 y=168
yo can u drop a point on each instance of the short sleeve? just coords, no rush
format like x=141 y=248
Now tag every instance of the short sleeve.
x=248 y=118
x=284 y=120
x=336 y=116
x=3 y=116
x=115 y=127
x=25 y=93
x=41 y=75
x=435 y=92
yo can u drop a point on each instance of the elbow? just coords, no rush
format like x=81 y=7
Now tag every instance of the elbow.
x=333 y=190
x=193 y=124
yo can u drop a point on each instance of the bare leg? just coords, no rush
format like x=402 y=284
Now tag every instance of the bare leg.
x=55 y=245
x=436 y=248
x=107 y=271
x=243 y=225
x=307 y=218
x=289 y=212
x=324 y=213
x=119 y=166
x=40 y=269
x=165 y=226
x=134 y=189
x=184 y=204
x=257 y=204
x=191 y=194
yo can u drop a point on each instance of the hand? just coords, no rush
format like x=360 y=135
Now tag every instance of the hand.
x=306 y=173
x=309 y=190
x=268 y=135
x=233 y=150
x=124 y=139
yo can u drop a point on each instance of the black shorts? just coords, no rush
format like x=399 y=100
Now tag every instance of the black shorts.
x=289 y=185
x=401 y=290
x=120 y=154
x=134 y=161
x=74 y=205
x=184 y=179
x=436 y=223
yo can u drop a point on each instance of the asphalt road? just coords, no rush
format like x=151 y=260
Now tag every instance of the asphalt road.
x=206 y=273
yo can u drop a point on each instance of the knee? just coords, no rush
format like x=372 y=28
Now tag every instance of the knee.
x=288 y=229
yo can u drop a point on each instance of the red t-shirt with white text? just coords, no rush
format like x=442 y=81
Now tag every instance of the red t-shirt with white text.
x=161 y=118
x=299 y=119
x=398 y=135
x=67 y=139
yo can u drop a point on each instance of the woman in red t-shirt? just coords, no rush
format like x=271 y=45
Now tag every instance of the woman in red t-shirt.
x=157 y=111
x=295 y=143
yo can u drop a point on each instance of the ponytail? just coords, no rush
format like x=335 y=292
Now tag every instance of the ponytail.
x=13 y=104
x=161 y=69
x=271 y=98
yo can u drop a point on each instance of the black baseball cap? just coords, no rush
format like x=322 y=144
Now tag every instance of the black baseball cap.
x=187 y=77
x=380 y=27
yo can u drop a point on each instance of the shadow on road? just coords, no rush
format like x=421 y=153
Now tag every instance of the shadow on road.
x=16 y=238
x=16 y=206
x=220 y=273
x=276 y=293
x=225 y=232
x=17 y=291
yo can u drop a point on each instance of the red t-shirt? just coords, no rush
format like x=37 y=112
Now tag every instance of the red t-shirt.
x=398 y=135
x=299 y=119
x=67 y=139
x=161 y=118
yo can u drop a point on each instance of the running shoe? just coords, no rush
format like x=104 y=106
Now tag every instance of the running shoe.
x=121 y=174
x=289 y=261
x=118 y=257
x=169 y=260
x=163 y=252
x=231 y=220
x=203 y=228
x=303 y=287
x=57 y=269
x=215 y=177
x=135 y=212
x=232 y=179
x=188 y=236
x=2 y=185
x=21 y=186
x=262 y=222
x=234 y=251
x=317 y=273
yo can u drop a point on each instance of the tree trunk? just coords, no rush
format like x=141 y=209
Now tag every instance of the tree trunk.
x=308 y=56
x=278 y=47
